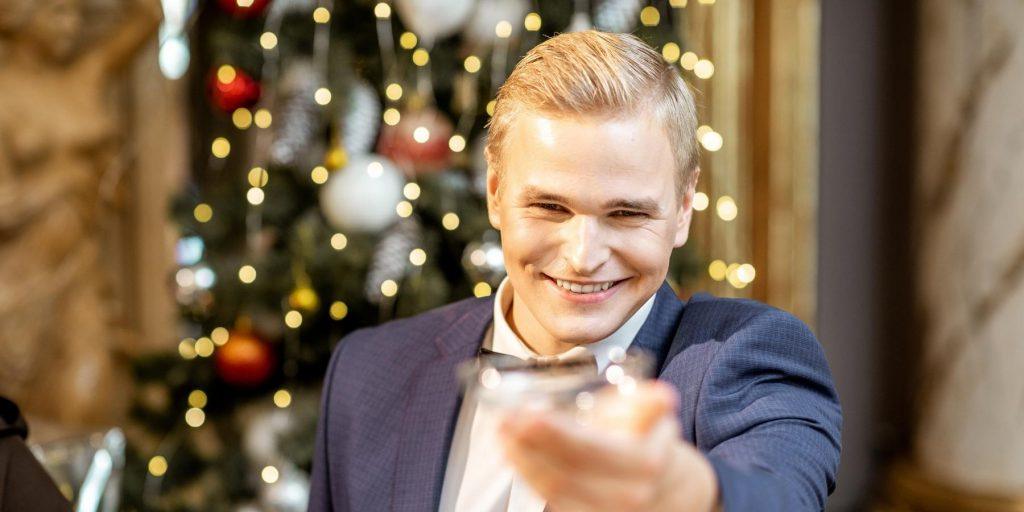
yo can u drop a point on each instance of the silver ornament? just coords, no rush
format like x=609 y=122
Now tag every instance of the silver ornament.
x=361 y=119
x=289 y=493
x=617 y=15
x=391 y=257
x=484 y=260
x=298 y=118
x=281 y=8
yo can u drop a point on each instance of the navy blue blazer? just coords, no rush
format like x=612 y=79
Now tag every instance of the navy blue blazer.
x=757 y=399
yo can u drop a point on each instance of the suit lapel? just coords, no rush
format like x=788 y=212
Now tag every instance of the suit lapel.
x=659 y=330
x=431 y=407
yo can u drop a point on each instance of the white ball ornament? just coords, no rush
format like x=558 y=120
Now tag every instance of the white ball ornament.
x=482 y=27
x=431 y=20
x=362 y=196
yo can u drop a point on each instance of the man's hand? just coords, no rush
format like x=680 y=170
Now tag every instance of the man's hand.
x=578 y=468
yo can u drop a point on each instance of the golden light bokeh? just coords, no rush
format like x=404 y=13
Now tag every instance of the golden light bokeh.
x=247 y=274
x=255 y=196
x=204 y=347
x=411 y=191
x=226 y=74
x=220 y=147
x=650 y=16
x=241 y=118
x=393 y=91
x=503 y=29
x=726 y=207
x=704 y=69
x=338 y=310
x=418 y=257
x=532 y=22
x=457 y=143
x=701 y=201
x=688 y=60
x=408 y=40
x=268 y=40
x=293 y=319
x=389 y=288
x=717 y=270
x=197 y=398
x=258 y=177
x=220 y=336
x=282 y=398
x=450 y=221
x=262 y=118
x=670 y=52
x=319 y=175
x=420 y=57
x=481 y=289
x=195 y=417
x=403 y=209
x=322 y=96
x=321 y=15
x=203 y=212
x=472 y=64
x=339 y=241
x=157 y=466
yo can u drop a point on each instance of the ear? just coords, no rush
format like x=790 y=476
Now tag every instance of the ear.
x=685 y=213
x=493 y=199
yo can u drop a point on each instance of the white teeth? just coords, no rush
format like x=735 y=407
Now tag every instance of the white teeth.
x=583 y=288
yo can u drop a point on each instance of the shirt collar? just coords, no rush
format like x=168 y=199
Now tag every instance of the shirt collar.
x=505 y=341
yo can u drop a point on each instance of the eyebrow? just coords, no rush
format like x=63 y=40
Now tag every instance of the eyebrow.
x=532 y=194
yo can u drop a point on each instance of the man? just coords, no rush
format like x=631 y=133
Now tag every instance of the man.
x=592 y=164
x=24 y=483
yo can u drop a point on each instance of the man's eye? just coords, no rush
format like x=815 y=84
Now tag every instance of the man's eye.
x=629 y=214
x=551 y=207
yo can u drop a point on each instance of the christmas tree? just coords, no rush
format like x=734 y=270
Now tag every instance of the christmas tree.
x=338 y=183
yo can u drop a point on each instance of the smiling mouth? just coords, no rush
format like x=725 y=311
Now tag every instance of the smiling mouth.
x=584 y=288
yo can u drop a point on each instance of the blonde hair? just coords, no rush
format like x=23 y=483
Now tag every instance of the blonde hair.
x=603 y=74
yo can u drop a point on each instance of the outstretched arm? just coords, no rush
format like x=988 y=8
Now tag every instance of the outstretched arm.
x=771 y=417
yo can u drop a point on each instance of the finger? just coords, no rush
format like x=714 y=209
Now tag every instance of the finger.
x=572 y=490
x=570 y=448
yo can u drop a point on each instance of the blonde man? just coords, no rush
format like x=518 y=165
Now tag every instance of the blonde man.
x=592 y=165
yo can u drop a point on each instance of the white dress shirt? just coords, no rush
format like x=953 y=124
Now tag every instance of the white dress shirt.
x=477 y=478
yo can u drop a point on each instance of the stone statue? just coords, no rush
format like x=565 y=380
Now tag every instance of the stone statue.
x=60 y=161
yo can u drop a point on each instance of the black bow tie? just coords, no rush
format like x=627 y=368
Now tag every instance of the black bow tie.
x=508 y=362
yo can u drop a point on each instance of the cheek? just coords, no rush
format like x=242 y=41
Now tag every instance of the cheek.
x=645 y=251
x=529 y=241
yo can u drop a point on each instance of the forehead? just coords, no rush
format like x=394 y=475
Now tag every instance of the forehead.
x=625 y=153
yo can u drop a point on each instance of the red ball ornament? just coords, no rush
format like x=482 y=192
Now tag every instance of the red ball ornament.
x=231 y=88
x=245 y=360
x=244 y=8
x=419 y=142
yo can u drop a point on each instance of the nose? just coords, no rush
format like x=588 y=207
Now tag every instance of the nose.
x=584 y=246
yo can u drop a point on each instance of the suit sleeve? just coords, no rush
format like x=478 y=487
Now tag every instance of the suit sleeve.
x=320 y=497
x=771 y=417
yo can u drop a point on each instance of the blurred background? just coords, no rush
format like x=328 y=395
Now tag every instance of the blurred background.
x=199 y=198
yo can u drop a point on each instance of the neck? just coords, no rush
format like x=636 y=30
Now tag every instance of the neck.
x=524 y=325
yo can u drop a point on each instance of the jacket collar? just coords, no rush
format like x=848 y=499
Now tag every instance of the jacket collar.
x=433 y=395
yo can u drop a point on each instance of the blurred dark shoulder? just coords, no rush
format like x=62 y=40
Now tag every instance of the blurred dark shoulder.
x=24 y=484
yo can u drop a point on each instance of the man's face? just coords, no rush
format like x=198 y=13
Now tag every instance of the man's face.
x=587 y=203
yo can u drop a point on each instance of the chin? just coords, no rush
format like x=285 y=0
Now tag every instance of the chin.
x=582 y=334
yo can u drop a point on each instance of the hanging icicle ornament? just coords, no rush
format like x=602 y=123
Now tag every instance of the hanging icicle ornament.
x=390 y=261
x=617 y=15
x=434 y=19
x=360 y=121
x=298 y=120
